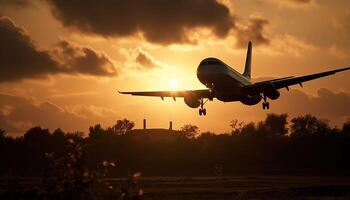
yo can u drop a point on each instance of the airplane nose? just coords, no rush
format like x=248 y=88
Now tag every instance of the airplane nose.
x=209 y=69
x=207 y=74
x=205 y=69
x=202 y=74
x=200 y=69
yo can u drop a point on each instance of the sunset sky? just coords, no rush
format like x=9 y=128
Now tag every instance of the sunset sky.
x=62 y=62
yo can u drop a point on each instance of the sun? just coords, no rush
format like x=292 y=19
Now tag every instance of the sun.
x=173 y=83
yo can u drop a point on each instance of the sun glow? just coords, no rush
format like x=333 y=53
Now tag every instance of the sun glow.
x=173 y=83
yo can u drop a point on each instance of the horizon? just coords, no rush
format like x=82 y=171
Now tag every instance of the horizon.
x=180 y=128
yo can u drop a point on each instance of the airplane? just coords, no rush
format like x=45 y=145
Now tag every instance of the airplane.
x=227 y=85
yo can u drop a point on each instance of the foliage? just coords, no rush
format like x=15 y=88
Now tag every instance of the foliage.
x=236 y=126
x=189 y=130
x=308 y=124
x=74 y=167
x=70 y=177
x=346 y=128
x=276 y=124
x=123 y=126
x=2 y=134
x=309 y=146
x=96 y=131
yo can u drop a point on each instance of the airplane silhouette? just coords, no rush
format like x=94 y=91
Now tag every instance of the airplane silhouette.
x=228 y=85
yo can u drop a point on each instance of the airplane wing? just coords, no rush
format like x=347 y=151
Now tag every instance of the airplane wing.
x=205 y=93
x=259 y=87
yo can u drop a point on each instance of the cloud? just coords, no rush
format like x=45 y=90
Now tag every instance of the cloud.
x=17 y=114
x=138 y=61
x=145 y=60
x=285 y=6
x=84 y=60
x=14 y=111
x=333 y=103
x=158 y=21
x=20 y=57
x=252 y=31
x=88 y=111
x=292 y=3
x=339 y=52
x=326 y=104
x=287 y=45
x=14 y=2
x=301 y=1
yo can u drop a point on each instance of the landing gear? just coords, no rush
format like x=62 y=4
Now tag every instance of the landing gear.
x=265 y=104
x=202 y=110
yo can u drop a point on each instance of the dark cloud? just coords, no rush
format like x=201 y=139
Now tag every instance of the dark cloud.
x=21 y=58
x=301 y=1
x=15 y=118
x=253 y=31
x=333 y=103
x=84 y=60
x=17 y=114
x=159 y=21
x=145 y=60
x=14 y=2
x=326 y=104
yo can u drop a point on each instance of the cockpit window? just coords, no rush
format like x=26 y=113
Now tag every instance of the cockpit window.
x=213 y=63
x=210 y=62
x=203 y=63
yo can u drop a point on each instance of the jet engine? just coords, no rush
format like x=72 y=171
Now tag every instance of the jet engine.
x=192 y=101
x=251 y=99
x=271 y=92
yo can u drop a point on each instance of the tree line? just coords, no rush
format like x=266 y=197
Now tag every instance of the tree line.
x=304 y=145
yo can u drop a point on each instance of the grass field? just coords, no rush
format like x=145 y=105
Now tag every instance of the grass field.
x=247 y=188
x=259 y=187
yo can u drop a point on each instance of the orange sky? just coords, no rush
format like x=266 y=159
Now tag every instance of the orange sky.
x=63 y=61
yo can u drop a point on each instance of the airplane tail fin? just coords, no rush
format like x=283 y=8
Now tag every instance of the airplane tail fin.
x=248 y=61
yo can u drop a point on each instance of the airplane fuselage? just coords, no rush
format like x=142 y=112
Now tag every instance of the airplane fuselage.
x=224 y=81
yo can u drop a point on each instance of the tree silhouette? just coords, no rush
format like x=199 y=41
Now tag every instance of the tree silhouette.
x=2 y=134
x=346 y=128
x=275 y=124
x=312 y=147
x=189 y=130
x=248 y=129
x=58 y=133
x=308 y=124
x=96 y=131
x=123 y=126
x=236 y=126
x=37 y=134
